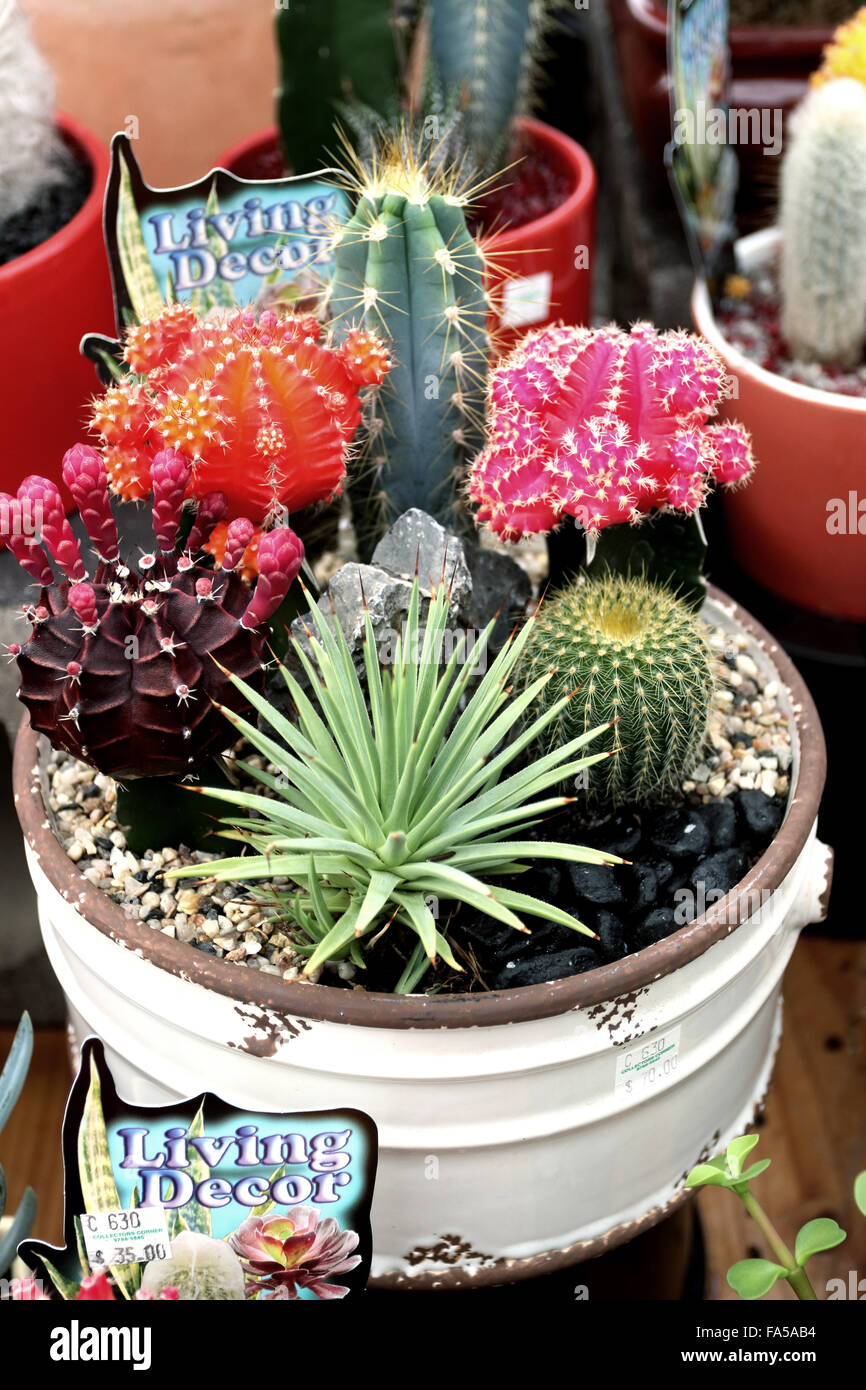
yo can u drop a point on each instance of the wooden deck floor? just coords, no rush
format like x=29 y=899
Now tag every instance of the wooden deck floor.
x=814 y=1129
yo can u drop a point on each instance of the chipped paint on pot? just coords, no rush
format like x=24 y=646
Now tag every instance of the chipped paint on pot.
x=520 y=1131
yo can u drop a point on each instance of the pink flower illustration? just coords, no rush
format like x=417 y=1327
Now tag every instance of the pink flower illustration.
x=283 y=1254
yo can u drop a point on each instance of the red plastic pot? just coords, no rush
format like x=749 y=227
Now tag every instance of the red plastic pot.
x=51 y=296
x=770 y=70
x=809 y=447
x=547 y=262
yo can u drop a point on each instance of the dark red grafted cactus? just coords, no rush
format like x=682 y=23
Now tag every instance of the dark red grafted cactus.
x=123 y=670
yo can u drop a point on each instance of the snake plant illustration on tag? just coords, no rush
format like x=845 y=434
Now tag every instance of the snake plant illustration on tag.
x=701 y=159
x=197 y=1201
x=222 y=242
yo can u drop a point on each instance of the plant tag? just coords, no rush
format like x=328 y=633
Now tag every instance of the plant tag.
x=198 y=1200
x=125 y=1237
x=649 y=1064
x=526 y=300
x=219 y=244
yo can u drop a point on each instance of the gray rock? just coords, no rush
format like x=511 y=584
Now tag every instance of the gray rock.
x=417 y=541
x=482 y=584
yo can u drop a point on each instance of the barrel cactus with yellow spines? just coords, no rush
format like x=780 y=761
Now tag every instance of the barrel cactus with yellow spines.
x=636 y=654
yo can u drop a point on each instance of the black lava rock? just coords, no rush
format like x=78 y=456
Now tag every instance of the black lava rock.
x=642 y=885
x=611 y=935
x=537 y=970
x=718 y=874
x=619 y=834
x=662 y=868
x=721 y=820
x=596 y=883
x=679 y=834
x=760 y=815
x=656 y=926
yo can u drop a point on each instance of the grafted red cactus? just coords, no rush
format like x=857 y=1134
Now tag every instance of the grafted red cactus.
x=263 y=407
x=603 y=426
x=121 y=671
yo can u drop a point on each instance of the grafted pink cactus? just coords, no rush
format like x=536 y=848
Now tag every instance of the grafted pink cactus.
x=43 y=499
x=25 y=548
x=85 y=476
x=603 y=426
x=211 y=510
x=169 y=474
x=281 y=554
x=238 y=536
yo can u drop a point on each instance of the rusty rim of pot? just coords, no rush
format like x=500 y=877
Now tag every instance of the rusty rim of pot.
x=336 y=1005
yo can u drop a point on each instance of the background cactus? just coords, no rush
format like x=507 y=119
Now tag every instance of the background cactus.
x=122 y=672
x=333 y=51
x=263 y=406
x=12 y=1079
x=846 y=55
x=489 y=51
x=603 y=426
x=32 y=155
x=635 y=654
x=823 y=224
x=407 y=266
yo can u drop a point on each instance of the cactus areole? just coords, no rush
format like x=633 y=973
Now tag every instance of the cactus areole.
x=603 y=426
x=123 y=670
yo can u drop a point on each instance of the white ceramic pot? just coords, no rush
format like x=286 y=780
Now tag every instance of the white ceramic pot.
x=518 y=1131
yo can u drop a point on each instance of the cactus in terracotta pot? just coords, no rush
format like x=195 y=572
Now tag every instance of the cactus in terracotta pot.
x=488 y=51
x=823 y=225
x=32 y=155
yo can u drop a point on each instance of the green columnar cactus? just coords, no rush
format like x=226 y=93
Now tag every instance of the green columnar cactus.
x=489 y=50
x=632 y=652
x=331 y=51
x=407 y=267
x=823 y=224
x=11 y=1081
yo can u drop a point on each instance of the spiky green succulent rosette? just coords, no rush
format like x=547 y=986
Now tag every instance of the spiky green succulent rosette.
x=409 y=783
x=633 y=653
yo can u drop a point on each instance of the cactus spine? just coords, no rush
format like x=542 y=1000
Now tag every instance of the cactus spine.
x=634 y=653
x=407 y=268
x=488 y=50
x=823 y=224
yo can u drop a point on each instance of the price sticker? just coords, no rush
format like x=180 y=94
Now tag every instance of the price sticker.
x=649 y=1064
x=125 y=1237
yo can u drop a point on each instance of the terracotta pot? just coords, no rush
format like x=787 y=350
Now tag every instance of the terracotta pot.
x=548 y=262
x=770 y=70
x=520 y=1131
x=51 y=296
x=184 y=76
x=809 y=445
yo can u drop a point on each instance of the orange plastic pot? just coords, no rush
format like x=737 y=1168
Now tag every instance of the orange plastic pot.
x=799 y=527
x=547 y=263
x=50 y=297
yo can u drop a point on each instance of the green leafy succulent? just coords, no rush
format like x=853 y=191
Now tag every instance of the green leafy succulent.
x=398 y=785
x=751 y=1279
